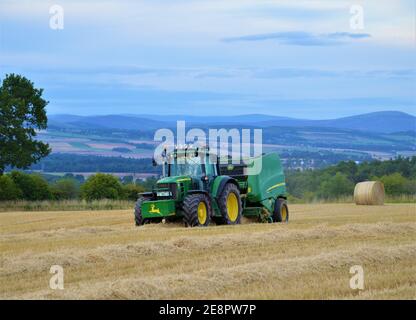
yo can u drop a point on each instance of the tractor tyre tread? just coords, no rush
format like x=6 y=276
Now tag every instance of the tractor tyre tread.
x=222 y=204
x=277 y=212
x=138 y=218
x=190 y=209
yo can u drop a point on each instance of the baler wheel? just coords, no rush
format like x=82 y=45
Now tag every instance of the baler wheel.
x=281 y=211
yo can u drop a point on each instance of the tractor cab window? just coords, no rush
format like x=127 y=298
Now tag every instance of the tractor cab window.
x=211 y=165
x=189 y=167
x=211 y=169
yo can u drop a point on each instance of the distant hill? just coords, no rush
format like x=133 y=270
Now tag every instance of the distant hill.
x=105 y=122
x=381 y=122
x=387 y=121
x=245 y=119
x=302 y=143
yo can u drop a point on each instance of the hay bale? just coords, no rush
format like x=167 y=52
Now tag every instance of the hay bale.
x=369 y=193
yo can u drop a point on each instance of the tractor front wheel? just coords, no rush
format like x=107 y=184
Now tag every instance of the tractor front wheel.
x=138 y=218
x=281 y=211
x=230 y=206
x=197 y=210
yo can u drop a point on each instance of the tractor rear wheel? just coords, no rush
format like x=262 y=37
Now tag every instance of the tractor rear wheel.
x=281 y=211
x=138 y=218
x=197 y=210
x=230 y=206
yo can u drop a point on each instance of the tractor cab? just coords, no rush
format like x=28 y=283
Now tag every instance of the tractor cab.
x=191 y=169
x=191 y=162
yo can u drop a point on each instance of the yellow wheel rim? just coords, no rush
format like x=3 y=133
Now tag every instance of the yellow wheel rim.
x=284 y=213
x=232 y=207
x=202 y=213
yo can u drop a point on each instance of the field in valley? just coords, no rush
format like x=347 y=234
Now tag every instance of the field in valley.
x=105 y=256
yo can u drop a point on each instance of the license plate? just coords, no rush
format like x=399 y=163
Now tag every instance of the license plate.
x=164 y=194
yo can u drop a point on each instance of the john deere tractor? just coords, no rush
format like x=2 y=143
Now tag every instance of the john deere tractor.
x=198 y=190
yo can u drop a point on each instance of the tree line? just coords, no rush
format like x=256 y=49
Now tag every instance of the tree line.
x=19 y=185
x=62 y=162
x=398 y=176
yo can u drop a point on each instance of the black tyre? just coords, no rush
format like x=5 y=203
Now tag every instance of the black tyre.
x=138 y=219
x=281 y=211
x=197 y=210
x=230 y=206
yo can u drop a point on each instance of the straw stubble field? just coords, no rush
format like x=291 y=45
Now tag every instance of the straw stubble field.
x=105 y=257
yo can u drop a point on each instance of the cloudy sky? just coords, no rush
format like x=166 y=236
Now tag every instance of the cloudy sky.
x=308 y=59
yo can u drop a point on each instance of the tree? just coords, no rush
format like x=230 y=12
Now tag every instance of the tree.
x=147 y=184
x=127 y=179
x=131 y=191
x=398 y=175
x=33 y=186
x=65 y=188
x=22 y=112
x=395 y=184
x=335 y=186
x=8 y=189
x=78 y=177
x=102 y=186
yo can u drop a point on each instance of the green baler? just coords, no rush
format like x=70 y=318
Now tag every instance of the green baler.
x=199 y=190
x=262 y=188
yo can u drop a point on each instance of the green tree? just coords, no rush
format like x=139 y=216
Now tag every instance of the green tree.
x=8 y=189
x=395 y=184
x=131 y=191
x=65 y=188
x=127 y=179
x=78 y=178
x=398 y=175
x=33 y=186
x=22 y=112
x=147 y=184
x=335 y=186
x=102 y=186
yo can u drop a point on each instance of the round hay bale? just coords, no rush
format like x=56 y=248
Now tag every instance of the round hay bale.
x=369 y=193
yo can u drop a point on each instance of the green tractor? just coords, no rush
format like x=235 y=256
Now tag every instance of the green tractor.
x=198 y=190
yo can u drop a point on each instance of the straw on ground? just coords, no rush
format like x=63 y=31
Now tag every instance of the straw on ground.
x=105 y=256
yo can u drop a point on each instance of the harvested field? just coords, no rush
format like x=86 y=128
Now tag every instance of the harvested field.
x=105 y=256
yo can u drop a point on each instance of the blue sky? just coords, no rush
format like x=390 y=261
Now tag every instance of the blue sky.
x=289 y=58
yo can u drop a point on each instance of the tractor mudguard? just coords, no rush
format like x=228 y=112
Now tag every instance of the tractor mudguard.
x=219 y=184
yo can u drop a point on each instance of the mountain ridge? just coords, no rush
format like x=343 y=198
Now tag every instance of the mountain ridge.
x=381 y=121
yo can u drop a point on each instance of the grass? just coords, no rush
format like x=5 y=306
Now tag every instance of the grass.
x=105 y=256
x=409 y=198
x=65 y=205
x=404 y=198
x=107 y=204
